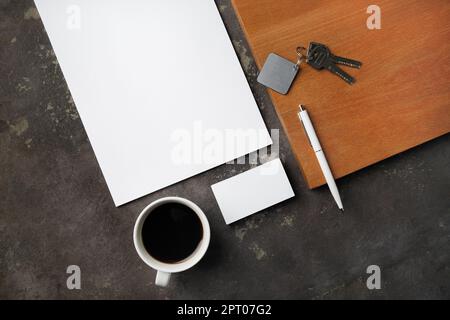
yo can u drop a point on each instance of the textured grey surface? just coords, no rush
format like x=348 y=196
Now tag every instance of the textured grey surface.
x=55 y=209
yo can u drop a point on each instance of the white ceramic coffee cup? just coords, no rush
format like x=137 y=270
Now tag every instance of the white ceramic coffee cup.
x=164 y=270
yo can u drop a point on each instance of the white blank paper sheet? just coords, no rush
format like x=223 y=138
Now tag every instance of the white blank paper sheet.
x=158 y=87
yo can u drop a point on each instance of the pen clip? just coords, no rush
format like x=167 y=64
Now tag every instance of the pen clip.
x=303 y=126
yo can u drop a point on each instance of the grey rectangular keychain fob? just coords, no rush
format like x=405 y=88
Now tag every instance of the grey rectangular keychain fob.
x=278 y=73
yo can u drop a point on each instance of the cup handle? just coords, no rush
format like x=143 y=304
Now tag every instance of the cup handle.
x=162 y=278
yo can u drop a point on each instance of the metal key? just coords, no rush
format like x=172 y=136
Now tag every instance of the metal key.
x=336 y=59
x=320 y=57
x=346 y=62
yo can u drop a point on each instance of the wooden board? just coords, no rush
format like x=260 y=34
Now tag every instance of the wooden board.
x=402 y=94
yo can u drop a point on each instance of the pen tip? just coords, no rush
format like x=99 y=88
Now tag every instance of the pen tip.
x=342 y=209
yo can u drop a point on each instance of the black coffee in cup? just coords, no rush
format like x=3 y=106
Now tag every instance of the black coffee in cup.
x=171 y=232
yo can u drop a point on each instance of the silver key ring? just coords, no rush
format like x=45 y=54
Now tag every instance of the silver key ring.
x=301 y=55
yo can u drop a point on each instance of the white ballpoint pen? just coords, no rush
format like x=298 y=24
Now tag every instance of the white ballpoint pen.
x=315 y=144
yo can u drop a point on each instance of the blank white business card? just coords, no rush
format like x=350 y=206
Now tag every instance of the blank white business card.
x=252 y=191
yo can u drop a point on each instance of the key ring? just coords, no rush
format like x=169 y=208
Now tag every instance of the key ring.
x=301 y=56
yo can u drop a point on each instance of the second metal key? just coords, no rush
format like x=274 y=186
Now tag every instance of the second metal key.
x=320 y=57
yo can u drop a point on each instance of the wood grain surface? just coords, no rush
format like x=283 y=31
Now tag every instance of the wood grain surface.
x=401 y=97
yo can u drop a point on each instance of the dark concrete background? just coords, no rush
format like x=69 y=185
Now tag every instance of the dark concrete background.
x=55 y=208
